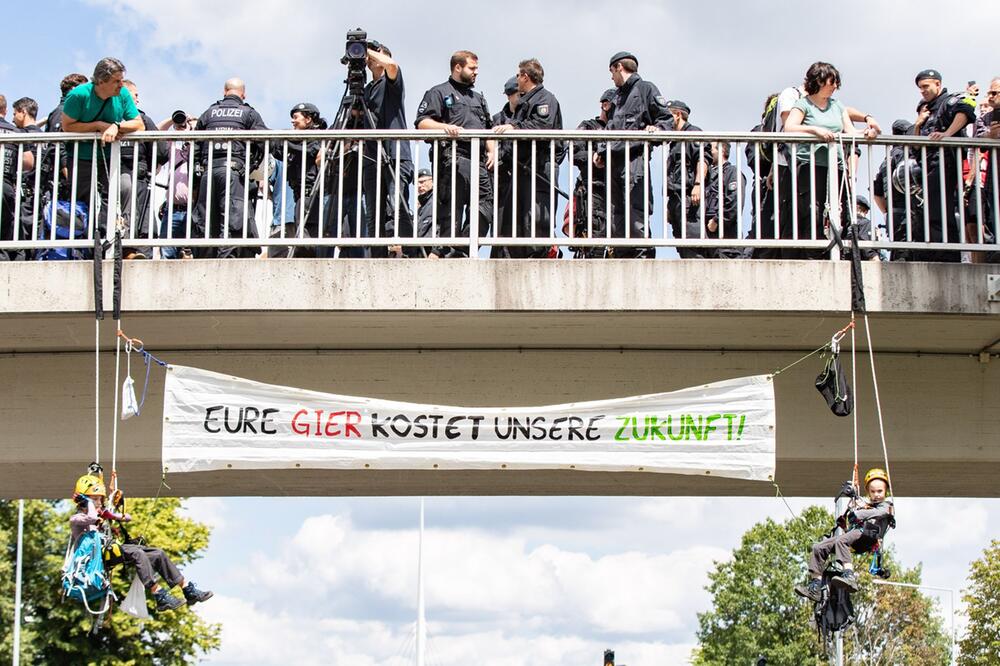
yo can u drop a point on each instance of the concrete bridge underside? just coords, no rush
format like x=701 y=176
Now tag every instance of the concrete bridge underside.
x=510 y=333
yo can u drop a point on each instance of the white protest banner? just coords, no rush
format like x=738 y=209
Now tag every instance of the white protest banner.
x=213 y=421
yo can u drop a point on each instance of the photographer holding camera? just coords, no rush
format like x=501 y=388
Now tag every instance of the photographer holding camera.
x=385 y=97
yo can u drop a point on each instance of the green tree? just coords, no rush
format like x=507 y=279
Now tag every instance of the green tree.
x=757 y=613
x=58 y=632
x=981 y=644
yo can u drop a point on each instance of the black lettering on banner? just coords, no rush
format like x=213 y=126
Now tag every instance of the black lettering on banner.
x=265 y=421
x=593 y=432
x=378 y=428
x=208 y=417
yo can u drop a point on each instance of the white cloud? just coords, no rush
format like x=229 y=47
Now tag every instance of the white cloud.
x=209 y=510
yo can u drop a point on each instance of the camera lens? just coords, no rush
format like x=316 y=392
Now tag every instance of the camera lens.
x=179 y=117
x=357 y=50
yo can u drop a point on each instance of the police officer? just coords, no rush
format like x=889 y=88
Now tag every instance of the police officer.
x=721 y=203
x=25 y=111
x=862 y=229
x=136 y=173
x=8 y=214
x=506 y=114
x=226 y=170
x=453 y=106
x=505 y=169
x=301 y=173
x=941 y=114
x=896 y=218
x=530 y=215
x=638 y=106
x=589 y=208
x=686 y=168
x=385 y=96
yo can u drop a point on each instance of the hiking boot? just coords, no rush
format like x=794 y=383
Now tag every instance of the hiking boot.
x=135 y=255
x=847 y=579
x=166 y=601
x=813 y=590
x=194 y=595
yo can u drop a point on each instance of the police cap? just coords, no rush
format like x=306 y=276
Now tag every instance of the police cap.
x=305 y=108
x=863 y=202
x=424 y=173
x=609 y=95
x=679 y=105
x=901 y=127
x=510 y=87
x=927 y=74
x=622 y=55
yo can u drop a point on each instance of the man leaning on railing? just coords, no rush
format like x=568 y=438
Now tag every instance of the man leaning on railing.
x=104 y=105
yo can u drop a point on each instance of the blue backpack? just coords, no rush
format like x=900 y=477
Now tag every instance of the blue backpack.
x=64 y=214
x=83 y=577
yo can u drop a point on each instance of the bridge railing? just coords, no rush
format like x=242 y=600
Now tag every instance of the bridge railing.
x=355 y=193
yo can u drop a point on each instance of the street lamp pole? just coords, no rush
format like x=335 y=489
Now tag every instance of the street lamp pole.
x=951 y=599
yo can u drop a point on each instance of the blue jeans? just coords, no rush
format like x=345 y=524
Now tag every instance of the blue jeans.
x=178 y=229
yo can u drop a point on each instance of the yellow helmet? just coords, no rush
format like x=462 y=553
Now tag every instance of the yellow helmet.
x=88 y=484
x=876 y=473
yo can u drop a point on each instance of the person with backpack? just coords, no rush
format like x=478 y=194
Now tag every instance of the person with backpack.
x=864 y=524
x=89 y=496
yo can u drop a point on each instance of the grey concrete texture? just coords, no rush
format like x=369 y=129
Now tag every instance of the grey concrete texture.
x=485 y=333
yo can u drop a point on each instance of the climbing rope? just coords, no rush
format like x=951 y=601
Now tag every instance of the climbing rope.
x=878 y=403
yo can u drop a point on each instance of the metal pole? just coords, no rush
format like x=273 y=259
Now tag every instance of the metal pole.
x=841 y=504
x=951 y=600
x=421 y=620
x=17 y=585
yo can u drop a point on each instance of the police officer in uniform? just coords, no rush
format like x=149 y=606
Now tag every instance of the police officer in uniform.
x=589 y=209
x=537 y=109
x=8 y=216
x=453 y=106
x=638 y=106
x=505 y=169
x=721 y=205
x=25 y=111
x=896 y=218
x=686 y=170
x=229 y=113
x=941 y=114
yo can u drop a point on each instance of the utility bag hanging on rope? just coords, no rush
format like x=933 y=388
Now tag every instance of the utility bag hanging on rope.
x=836 y=611
x=832 y=385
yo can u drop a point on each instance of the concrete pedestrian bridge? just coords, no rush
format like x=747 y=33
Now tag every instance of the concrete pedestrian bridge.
x=507 y=333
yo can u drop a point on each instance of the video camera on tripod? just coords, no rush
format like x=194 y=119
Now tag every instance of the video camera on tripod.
x=356 y=59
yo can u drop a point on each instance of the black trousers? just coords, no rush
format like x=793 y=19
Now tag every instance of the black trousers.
x=516 y=213
x=635 y=216
x=676 y=217
x=210 y=213
x=812 y=203
x=467 y=176
x=382 y=195
x=138 y=228
x=149 y=562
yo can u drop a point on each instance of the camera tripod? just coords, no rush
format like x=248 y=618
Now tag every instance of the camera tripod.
x=354 y=114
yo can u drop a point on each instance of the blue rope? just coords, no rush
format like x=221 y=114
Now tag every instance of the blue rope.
x=147 y=357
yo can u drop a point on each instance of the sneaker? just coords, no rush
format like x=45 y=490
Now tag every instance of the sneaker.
x=194 y=595
x=166 y=601
x=846 y=579
x=135 y=255
x=813 y=590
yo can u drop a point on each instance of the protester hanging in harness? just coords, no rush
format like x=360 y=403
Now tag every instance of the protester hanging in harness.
x=865 y=523
x=90 y=495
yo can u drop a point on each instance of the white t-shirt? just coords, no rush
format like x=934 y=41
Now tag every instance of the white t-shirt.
x=786 y=100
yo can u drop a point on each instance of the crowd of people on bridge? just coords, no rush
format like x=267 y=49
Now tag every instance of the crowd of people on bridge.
x=361 y=189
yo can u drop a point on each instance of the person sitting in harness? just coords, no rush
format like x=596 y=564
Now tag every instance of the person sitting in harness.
x=90 y=495
x=865 y=523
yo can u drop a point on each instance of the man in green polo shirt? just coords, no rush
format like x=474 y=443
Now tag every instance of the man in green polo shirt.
x=104 y=105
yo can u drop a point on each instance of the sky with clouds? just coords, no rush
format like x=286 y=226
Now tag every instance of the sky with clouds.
x=508 y=580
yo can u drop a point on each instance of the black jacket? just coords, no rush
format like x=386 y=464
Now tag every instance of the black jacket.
x=230 y=113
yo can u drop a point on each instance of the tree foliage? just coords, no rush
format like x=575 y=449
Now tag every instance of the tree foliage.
x=757 y=613
x=55 y=631
x=981 y=644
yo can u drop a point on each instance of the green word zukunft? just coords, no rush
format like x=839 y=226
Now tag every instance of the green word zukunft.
x=700 y=427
